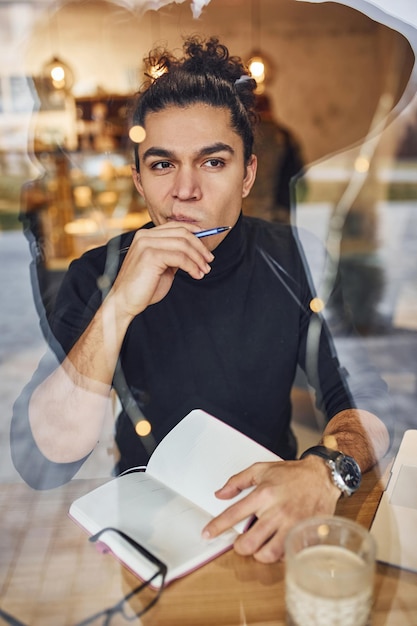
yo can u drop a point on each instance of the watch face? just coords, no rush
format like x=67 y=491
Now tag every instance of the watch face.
x=350 y=472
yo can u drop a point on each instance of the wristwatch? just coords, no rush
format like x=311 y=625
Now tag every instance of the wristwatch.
x=345 y=471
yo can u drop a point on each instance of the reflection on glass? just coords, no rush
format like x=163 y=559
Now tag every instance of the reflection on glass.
x=334 y=66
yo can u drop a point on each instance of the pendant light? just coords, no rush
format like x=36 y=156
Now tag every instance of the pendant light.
x=58 y=74
x=259 y=65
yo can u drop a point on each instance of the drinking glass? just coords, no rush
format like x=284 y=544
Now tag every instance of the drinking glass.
x=330 y=564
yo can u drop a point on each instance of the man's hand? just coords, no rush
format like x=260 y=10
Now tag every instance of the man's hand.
x=289 y=491
x=285 y=492
x=152 y=261
x=67 y=410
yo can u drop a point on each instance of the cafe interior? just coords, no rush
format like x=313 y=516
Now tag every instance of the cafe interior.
x=340 y=80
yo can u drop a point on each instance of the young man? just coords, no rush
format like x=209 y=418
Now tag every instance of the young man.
x=175 y=322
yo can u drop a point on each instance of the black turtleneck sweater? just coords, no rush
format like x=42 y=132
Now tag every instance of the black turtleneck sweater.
x=229 y=343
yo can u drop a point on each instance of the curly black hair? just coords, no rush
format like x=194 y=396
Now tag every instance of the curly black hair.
x=205 y=73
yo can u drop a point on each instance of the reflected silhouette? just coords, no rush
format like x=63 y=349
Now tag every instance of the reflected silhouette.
x=399 y=360
x=280 y=163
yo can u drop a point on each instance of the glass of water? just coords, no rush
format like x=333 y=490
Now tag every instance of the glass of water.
x=329 y=579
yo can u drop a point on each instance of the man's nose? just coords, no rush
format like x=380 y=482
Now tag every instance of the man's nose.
x=186 y=184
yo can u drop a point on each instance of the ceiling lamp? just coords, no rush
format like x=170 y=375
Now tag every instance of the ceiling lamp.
x=256 y=66
x=59 y=74
x=259 y=66
x=261 y=70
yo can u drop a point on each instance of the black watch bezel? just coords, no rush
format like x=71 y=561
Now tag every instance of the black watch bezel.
x=349 y=471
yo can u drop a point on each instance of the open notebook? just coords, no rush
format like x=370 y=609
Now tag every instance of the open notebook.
x=395 y=523
x=165 y=508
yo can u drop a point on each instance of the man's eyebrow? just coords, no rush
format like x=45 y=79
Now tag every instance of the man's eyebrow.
x=154 y=151
x=216 y=147
x=163 y=153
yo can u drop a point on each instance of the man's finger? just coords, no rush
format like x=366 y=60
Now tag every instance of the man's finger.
x=265 y=538
x=231 y=516
x=248 y=477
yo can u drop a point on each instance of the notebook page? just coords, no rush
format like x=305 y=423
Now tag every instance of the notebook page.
x=200 y=454
x=168 y=525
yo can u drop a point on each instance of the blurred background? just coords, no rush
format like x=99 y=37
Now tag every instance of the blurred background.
x=337 y=146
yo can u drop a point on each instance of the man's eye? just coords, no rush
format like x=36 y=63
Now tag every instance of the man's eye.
x=214 y=163
x=161 y=165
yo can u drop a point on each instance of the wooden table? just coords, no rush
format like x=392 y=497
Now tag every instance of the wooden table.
x=50 y=575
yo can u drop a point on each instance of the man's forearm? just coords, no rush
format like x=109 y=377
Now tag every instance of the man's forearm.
x=359 y=434
x=67 y=410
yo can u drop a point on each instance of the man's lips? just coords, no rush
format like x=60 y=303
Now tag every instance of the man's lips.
x=182 y=220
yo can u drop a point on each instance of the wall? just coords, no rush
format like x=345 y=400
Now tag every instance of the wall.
x=330 y=61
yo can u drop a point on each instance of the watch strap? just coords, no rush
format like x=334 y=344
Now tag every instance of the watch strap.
x=323 y=452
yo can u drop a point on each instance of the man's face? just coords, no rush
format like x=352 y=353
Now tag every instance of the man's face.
x=192 y=168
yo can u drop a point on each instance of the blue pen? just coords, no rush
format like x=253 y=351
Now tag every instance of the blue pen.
x=212 y=231
x=200 y=234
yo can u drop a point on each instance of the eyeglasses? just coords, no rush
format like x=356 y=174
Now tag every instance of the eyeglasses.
x=123 y=605
x=7 y=618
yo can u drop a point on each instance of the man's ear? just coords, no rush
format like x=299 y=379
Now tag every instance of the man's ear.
x=137 y=180
x=250 y=175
